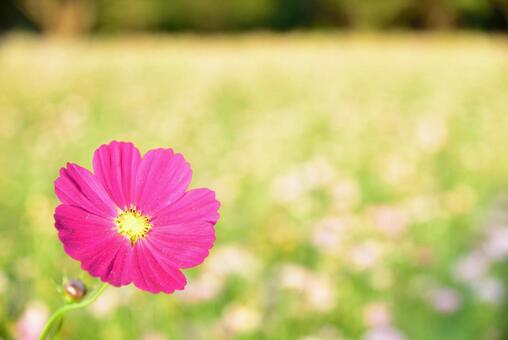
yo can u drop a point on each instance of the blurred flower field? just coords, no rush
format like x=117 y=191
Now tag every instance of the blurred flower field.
x=362 y=181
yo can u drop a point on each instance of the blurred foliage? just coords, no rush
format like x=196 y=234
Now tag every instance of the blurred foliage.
x=356 y=176
x=368 y=13
x=79 y=16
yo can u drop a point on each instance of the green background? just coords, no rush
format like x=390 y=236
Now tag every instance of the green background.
x=352 y=170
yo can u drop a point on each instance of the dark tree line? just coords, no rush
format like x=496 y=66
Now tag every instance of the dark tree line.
x=71 y=17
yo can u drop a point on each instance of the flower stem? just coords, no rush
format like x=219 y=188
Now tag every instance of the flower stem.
x=58 y=315
x=58 y=328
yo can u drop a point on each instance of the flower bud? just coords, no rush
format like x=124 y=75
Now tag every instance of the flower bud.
x=75 y=290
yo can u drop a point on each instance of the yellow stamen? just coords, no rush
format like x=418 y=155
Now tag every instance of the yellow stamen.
x=132 y=224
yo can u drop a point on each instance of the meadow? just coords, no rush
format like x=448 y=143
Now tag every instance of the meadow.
x=362 y=181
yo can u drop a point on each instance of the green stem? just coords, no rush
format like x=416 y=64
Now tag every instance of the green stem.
x=58 y=315
x=58 y=328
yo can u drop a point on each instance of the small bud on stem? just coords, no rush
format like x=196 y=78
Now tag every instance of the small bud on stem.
x=75 y=290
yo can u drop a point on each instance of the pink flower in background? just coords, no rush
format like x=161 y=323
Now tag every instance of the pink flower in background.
x=377 y=314
x=133 y=220
x=444 y=300
x=384 y=333
x=391 y=221
x=31 y=323
x=473 y=266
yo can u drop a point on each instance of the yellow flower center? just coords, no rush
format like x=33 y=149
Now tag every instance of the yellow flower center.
x=132 y=224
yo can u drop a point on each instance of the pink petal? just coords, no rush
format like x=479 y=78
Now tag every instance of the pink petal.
x=114 y=265
x=100 y=263
x=180 y=252
x=120 y=273
x=154 y=275
x=195 y=205
x=83 y=234
x=77 y=186
x=162 y=178
x=116 y=165
x=93 y=241
x=183 y=232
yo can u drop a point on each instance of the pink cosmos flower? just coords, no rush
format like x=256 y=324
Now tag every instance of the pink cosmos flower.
x=133 y=220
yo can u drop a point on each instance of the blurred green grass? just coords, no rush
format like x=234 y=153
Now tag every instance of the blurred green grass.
x=351 y=170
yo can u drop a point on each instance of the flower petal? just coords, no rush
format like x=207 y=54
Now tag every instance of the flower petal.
x=116 y=166
x=93 y=241
x=183 y=232
x=77 y=186
x=152 y=274
x=100 y=263
x=120 y=273
x=114 y=266
x=195 y=205
x=81 y=232
x=162 y=178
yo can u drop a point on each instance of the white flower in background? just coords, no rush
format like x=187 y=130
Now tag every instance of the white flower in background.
x=366 y=255
x=318 y=172
x=297 y=182
x=471 y=267
x=377 y=314
x=293 y=277
x=203 y=288
x=318 y=291
x=110 y=300
x=431 y=134
x=74 y=112
x=384 y=333
x=489 y=290
x=232 y=260
x=394 y=169
x=320 y=294
x=346 y=194
x=32 y=321
x=223 y=262
x=444 y=300
x=496 y=244
x=288 y=188
x=239 y=318
x=389 y=220
x=328 y=233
